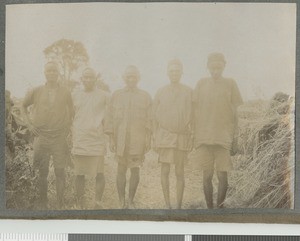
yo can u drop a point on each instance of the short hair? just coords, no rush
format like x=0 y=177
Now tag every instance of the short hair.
x=51 y=63
x=175 y=62
x=216 y=57
x=89 y=70
x=131 y=69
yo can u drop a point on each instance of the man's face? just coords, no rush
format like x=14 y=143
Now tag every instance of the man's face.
x=216 y=69
x=175 y=73
x=88 y=80
x=51 y=73
x=131 y=79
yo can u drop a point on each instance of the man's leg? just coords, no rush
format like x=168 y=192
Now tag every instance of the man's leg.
x=43 y=187
x=121 y=183
x=179 y=171
x=208 y=187
x=133 y=184
x=165 y=171
x=222 y=188
x=60 y=185
x=79 y=186
x=100 y=184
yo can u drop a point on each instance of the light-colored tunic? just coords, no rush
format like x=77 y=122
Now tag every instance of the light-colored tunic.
x=129 y=121
x=172 y=113
x=88 y=132
x=216 y=102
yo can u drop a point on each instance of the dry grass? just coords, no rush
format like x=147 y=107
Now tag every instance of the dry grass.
x=261 y=176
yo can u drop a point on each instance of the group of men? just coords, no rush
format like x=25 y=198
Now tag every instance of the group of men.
x=178 y=120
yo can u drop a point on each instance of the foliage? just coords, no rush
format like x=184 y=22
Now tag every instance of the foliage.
x=68 y=54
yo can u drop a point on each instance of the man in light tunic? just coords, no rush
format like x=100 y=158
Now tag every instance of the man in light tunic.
x=129 y=126
x=216 y=101
x=88 y=136
x=172 y=129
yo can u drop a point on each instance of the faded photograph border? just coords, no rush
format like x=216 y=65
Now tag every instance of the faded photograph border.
x=224 y=215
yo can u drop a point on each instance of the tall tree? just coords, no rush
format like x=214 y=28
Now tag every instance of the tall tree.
x=69 y=55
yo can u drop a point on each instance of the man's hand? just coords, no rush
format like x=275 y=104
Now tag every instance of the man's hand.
x=33 y=129
x=234 y=147
x=148 y=143
x=112 y=145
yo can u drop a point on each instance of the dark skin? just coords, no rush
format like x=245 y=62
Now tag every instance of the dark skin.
x=131 y=79
x=51 y=74
x=89 y=82
x=216 y=70
x=174 y=73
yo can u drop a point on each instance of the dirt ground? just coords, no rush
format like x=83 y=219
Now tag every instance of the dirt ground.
x=149 y=194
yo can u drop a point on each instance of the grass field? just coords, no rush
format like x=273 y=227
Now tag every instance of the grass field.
x=261 y=177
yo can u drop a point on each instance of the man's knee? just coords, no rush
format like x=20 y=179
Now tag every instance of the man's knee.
x=207 y=176
x=122 y=169
x=222 y=177
x=179 y=171
x=100 y=177
x=43 y=173
x=135 y=172
x=59 y=173
x=165 y=169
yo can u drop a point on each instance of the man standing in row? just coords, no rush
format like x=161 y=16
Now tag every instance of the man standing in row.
x=172 y=129
x=52 y=117
x=216 y=101
x=129 y=125
x=89 y=145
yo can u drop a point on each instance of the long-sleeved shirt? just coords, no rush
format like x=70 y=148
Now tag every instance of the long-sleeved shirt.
x=52 y=109
x=172 y=110
x=129 y=120
x=216 y=102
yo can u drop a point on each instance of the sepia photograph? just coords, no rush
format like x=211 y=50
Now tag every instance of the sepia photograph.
x=143 y=106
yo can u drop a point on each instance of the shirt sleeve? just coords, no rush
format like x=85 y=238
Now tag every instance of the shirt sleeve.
x=236 y=98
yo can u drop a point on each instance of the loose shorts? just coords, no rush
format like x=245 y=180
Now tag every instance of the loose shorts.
x=88 y=165
x=171 y=155
x=131 y=161
x=210 y=157
x=44 y=148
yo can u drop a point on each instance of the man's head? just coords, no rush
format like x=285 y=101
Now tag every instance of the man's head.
x=175 y=70
x=88 y=79
x=131 y=76
x=216 y=64
x=51 y=72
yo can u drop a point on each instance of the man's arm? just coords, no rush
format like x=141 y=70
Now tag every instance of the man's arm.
x=28 y=101
x=236 y=101
x=148 y=123
x=108 y=123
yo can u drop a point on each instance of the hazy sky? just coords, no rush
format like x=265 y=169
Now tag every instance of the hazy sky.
x=258 y=41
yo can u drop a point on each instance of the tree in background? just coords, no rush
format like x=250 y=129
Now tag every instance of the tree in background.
x=69 y=55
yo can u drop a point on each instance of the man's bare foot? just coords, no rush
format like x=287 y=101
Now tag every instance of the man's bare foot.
x=131 y=205
x=98 y=205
